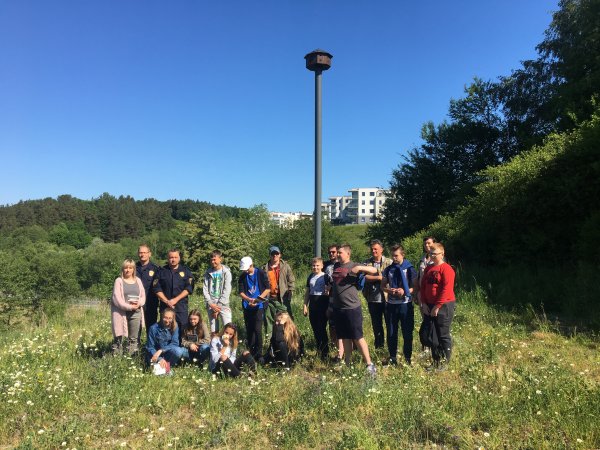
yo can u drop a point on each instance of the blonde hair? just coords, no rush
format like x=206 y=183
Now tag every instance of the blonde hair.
x=438 y=246
x=291 y=335
x=128 y=263
x=173 y=326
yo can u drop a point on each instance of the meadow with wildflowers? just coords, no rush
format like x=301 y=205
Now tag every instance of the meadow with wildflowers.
x=513 y=383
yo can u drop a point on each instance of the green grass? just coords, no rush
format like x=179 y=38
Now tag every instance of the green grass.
x=510 y=385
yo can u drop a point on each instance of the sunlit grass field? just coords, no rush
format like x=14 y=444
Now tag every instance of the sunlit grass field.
x=513 y=383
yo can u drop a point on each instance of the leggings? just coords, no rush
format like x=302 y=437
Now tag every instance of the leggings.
x=233 y=369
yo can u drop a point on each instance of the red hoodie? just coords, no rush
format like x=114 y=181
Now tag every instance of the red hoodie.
x=437 y=285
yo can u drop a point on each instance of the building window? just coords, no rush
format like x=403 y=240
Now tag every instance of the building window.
x=362 y=220
x=371 y=210
x=363 y=210
x=372 y=194
x=381 y=202
x=372 y=202
x=363 y=202
x=363 y=194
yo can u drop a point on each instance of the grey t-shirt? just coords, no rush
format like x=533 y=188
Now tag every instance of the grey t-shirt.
x=130 y=290
x=345 y=293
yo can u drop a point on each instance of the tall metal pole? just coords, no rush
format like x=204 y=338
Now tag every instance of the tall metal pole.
x=318 y=61
x=318 y=151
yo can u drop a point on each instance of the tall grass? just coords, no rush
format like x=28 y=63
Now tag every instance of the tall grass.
x=510 y=385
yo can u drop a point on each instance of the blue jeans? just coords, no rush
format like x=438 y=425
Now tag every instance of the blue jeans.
x=403 y=314
x=175 y=354
x=201 y=355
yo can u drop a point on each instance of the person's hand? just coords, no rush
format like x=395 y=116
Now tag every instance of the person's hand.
x=193 y=347
x=225 y=339
x=216 y=309
x=163 y=363
x=155 y=356
x=215 y=315
x=400 y=291
x=434 y=311
x=305 y=311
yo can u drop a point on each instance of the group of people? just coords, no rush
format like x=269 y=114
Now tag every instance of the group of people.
x=390 y=286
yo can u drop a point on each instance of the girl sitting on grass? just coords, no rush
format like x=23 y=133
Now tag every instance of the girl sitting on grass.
x=286 y=346
x=223 y=349
x=163 y=341
x=196 y=338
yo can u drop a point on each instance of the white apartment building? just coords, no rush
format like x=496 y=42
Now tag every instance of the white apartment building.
x=365 y=205
x=326 y=210
x=338 y=208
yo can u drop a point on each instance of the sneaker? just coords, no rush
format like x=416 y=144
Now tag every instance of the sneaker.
x=372 y=370
x=392 y=362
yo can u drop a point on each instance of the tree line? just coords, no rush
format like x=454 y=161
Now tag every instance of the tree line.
x=74 y=221
x=497 y=120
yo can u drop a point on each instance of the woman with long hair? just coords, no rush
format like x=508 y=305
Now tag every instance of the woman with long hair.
x=127 y=314
x=196 y=338
x=223 y=353
x=286 y=346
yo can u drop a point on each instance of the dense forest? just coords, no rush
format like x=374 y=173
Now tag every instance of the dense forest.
x=106 y=217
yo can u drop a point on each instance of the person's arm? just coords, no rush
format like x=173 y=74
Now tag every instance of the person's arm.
x=151 y=343
x=187 y=290
x=306 y=296
x=291 y=280
x=175 y=338
x=412 y=280
x=364 y=269
x=215 y=350
x=118 y=299
x=373 y=278
x=206 y=335
x=158 y=290
x=264 y=281
x=205 y=293
x=224 y=298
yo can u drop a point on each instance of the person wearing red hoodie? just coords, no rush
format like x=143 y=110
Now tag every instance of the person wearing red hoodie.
x=438 y=304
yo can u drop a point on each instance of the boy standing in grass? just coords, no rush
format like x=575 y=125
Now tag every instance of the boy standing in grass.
x=216 y=289
x=347 y=311
x=398 y=281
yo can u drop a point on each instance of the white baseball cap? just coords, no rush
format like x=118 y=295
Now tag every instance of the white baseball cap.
x=245 y=263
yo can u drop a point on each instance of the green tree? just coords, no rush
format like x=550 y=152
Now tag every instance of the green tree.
x=235 y=237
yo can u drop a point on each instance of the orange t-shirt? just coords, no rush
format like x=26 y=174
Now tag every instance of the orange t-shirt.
x=274 y=281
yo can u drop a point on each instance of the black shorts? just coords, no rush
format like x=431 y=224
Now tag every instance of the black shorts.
x=348 y=323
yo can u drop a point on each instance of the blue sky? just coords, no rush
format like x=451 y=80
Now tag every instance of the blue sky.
x=211 y=100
